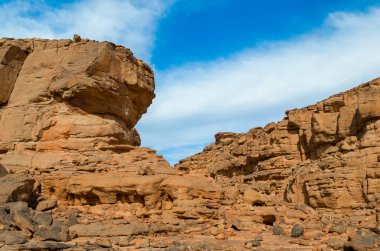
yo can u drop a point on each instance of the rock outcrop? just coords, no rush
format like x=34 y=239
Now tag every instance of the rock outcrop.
x=323 y=159
x=73 y=176
x=68 y=147
x=326 y=155
x=70 y=108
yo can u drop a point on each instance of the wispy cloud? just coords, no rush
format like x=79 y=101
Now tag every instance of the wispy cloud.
x=127 y=22
x=195 y=101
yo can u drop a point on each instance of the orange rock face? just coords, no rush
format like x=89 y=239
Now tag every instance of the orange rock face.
x=324 y=157
x=71 y=106
x=74 y=176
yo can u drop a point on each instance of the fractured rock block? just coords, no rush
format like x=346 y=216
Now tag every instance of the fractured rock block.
x=16 y=187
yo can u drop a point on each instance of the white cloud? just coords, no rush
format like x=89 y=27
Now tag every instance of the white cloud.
x=128 y=22
x=197 y=100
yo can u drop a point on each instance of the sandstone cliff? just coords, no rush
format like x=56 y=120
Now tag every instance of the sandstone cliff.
x=325 y=157
x=68 y=146
x=72 y=174
x=71 y=108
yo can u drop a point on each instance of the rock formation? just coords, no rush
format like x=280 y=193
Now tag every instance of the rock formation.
x=70 y=108
x=73 y=177
x=323 y=161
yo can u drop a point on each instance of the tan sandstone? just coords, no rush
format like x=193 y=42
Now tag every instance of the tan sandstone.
x=73 y=175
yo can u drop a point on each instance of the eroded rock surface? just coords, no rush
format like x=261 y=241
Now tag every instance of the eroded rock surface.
x=68 y=147
x=322 y=162
x=73 y=176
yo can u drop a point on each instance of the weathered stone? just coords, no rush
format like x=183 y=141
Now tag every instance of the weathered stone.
x=277 y=230
x=73 y=219
x=11 y=61
x=44 y=219
x=140 y=243
x=297 y=231
x=252 y=243
x=104 y=230
x=255 y=198
x=24 y=221
x=16 y=187
x=12 y=237
x=105 y=243
x=19 y=206
x=192 y=186
x=335 y=243
x=5 y=217
x=52 y=233
x=362 y=244
x=46 y=205
x=339 y=228
x=46 y=245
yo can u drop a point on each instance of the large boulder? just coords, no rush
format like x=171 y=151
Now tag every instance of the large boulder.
x=69 y=107
x=68 y=96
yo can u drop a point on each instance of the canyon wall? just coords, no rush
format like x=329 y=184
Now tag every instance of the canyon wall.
x=71 y=107
x=73 y=174
x=325 y=155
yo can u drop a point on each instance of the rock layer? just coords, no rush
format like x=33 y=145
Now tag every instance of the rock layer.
x=72 y=174
x=69 y=106
x=68 y=146
x=324 y=157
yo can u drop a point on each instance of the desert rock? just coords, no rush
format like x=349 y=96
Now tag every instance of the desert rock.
x=321 y=160
x=73 y=174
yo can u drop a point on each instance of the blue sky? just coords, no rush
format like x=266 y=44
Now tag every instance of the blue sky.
x=220 y=65
x=198 y=30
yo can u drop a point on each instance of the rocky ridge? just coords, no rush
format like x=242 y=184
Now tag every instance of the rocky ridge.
x=321 y=161
x=73 y=176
